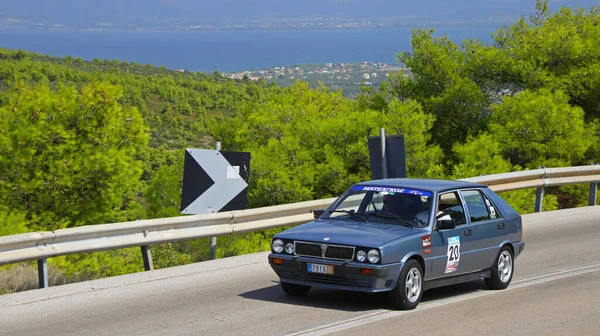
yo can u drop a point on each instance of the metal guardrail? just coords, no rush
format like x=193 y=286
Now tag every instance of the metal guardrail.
x=539 y=178
x=93 y=238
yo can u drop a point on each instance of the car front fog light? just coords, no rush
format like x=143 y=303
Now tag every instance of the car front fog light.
x=361 y=256
x=289 y=248
x=373 y=256
x=277 y=245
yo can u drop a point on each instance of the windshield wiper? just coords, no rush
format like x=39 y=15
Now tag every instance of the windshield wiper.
x=390 y=215
x=351 y=213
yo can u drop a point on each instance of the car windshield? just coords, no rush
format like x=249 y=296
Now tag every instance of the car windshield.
x=383 y=204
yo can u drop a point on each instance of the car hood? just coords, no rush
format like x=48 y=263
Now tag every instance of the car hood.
x=348 y=233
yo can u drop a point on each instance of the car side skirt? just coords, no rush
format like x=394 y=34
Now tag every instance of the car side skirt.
x=453 y=280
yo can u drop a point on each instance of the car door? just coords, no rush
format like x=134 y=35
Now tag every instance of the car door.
x=489 y=228
x=451 y=249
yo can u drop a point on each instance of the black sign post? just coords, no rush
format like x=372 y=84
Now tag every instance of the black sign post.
x=387 y=157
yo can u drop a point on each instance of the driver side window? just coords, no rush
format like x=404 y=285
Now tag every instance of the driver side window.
x=351 y=203
x=449 y=204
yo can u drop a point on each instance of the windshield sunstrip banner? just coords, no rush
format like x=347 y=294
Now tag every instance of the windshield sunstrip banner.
x=393 y=190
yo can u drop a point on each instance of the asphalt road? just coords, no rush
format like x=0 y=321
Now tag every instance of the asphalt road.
x=555 y=291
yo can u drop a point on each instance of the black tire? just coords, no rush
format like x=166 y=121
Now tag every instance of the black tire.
x=501 y=278
x=398 y=296
x=294 y=289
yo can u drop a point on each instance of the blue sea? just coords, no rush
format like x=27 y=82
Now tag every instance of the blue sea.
x=229 y=51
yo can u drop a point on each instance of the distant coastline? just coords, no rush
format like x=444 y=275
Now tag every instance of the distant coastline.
x=230 y=51
x=13 y=25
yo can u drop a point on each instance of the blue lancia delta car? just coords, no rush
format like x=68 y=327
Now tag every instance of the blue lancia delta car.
x=402 y=236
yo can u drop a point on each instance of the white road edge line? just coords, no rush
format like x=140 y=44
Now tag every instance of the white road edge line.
x=385 y=314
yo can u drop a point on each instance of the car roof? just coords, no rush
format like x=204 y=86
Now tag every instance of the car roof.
x=429 y=184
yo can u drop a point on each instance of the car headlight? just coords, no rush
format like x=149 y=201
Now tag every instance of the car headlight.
x=373 y=256
x=289 y=248
x=277 y=245
x=361 y=256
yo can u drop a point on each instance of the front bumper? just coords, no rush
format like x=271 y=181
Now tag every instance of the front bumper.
x=346 y=275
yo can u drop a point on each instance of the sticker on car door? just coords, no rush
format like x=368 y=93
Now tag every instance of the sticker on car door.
x=453 y=254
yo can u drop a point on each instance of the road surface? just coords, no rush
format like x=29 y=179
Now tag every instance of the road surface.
x=554 y=292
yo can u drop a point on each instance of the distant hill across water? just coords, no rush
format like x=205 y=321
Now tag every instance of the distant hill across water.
x=257 y=14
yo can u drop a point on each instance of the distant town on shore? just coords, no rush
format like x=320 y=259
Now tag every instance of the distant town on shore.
x=345 y=76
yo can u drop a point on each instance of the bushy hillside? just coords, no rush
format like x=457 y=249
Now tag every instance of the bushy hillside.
x=174 y=104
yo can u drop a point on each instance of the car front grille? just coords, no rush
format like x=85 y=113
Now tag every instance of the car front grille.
x=308 y=249
x=324 y=251
x=339 y=252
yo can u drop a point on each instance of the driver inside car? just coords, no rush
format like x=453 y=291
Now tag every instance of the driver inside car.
x=406 y=206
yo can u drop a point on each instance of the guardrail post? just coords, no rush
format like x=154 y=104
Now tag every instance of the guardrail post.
x=213 y=248
x=42 y=273
x=147 y=256
x=593 y=191
x=539 y=196
x=213 y=240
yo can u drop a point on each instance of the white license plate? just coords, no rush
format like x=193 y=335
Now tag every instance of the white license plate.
x=318 y=268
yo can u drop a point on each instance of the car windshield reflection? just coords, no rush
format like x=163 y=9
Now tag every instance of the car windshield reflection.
x=387 y=205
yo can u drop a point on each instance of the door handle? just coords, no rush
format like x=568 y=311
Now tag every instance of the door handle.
x=500 y=226
x=468 y=232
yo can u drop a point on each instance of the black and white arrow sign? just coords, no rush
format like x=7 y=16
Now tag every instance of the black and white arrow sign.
x=214 y=181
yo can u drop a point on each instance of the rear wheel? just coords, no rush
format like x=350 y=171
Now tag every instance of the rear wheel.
x=503 y=269
x=409 y=288
x=294 y=289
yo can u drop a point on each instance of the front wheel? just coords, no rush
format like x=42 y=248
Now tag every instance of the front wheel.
x=409 y=288
x=294 y=289
x=502 y=271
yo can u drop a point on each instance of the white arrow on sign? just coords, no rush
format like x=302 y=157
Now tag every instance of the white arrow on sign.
x=228 y=182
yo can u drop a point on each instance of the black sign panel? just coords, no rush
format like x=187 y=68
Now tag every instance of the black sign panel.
x=214 y=181
x=395 y=156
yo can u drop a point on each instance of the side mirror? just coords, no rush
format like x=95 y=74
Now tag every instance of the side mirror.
x=445 y=223
x=317 y=213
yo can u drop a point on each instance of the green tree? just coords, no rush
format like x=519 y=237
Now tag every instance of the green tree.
x=480 y=156
x=541 y=129
x=12 y=222
x=68 y=155
x=163 y=193
x=439 y=81
x=558 y=51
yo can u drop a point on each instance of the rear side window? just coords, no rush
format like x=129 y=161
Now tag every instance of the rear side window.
x=480 y=208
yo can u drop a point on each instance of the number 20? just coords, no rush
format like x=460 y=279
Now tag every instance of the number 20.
x=454 y=252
